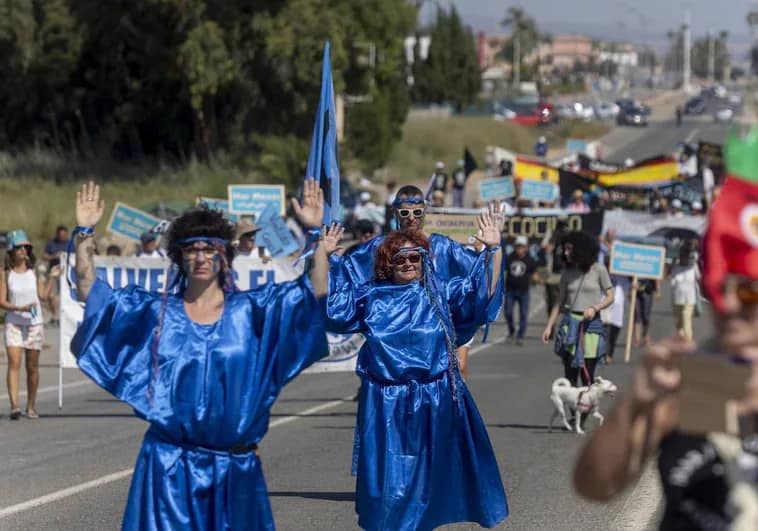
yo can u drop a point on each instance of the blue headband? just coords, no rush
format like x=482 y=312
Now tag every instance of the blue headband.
x=206 y=239
x=410 y=200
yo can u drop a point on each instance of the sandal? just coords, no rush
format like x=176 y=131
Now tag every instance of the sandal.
x=32 y=414
x=15 y=413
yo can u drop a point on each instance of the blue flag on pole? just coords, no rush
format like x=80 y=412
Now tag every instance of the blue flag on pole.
x=323 y=163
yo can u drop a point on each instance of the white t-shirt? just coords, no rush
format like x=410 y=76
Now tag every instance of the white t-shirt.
x=157 y=253
x=22 y=290
x=684 y=281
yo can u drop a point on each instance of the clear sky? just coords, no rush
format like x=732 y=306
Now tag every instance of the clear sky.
x=628 y=20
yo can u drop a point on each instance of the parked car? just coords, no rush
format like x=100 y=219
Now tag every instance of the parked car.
x=723 y=114
x=694 y=105
x=636 y=115
x=547 y=113
x=606 y=110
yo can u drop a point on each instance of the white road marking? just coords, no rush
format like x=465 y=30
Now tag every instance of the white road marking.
x=692 y=135
x=64 y=493
x=50 y=389
x=122 y=474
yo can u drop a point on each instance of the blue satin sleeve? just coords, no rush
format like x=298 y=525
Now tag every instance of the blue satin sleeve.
x=113 y=344
x=346 y=302
x=358 y=264
x=468 y=298
x=290 y=322
x=452 y=260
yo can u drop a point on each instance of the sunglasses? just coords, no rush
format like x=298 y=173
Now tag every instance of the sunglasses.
x=26 y=247
x=405 y=212
x=400 y=259
x=747 y=292
x=193 y=252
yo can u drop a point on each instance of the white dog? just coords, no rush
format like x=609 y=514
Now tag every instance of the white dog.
x=579 y=400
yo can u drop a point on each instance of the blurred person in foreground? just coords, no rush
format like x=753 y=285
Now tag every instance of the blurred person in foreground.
x=202 y=363
x=709 y=478
x=21 y=296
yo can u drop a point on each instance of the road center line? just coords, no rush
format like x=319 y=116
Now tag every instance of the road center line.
x=692 y=135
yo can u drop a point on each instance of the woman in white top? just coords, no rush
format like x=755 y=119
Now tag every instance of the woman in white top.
x=20 y=297
x=685 y=276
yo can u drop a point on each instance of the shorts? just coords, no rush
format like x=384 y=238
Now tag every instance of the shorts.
x=29 y=337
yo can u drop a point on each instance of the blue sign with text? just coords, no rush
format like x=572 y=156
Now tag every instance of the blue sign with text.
x=218 y=204
x=633 y=260
x=253 y=199
x=537 y=190
x=274 y=234
x=500 y=188
x=130 y=222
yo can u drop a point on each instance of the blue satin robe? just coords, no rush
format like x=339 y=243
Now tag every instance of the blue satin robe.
x=422 y=460
x=450 y=258
x=214 y=390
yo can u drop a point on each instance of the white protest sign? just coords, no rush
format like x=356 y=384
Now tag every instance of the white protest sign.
x=150 y=273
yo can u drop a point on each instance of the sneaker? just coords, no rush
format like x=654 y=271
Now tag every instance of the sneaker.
x=511 y=338
x=15 y=413
x=32 y=414
x=520 y=342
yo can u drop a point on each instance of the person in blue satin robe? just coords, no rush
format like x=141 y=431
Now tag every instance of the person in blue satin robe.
x=202 y=367
x=424 y=458
x=451 y=259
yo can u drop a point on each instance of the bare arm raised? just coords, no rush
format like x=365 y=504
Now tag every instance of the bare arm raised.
x=89 y=211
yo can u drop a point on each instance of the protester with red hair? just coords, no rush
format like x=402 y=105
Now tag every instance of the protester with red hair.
x=709 y=479
x=423 y=458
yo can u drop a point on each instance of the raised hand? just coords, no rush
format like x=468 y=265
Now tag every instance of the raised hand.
x=496 y=209
x=89 y=206
x=488 y=229
x=311 y=213
x=331 y=237
x=659 y=373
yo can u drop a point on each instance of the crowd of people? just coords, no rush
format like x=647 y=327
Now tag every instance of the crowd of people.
x=396 y=282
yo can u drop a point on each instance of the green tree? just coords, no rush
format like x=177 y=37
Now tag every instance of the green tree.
x=702 y=49
x=451 y=73
x=524 y=38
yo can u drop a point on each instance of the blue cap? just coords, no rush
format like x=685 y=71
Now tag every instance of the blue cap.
x=17 y=238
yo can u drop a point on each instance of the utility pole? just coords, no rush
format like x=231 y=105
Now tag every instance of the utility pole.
x=687 y=46
x=516 y=57
x=711 y=56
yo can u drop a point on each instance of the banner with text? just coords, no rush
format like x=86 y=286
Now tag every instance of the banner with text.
x=150 y=274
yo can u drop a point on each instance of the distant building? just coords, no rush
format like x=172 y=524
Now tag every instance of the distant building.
x=564 y=51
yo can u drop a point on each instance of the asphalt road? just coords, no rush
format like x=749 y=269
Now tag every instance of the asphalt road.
x=71 y=468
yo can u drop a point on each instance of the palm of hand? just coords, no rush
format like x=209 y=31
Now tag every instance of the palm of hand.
x=88 y=214
x=490 y=235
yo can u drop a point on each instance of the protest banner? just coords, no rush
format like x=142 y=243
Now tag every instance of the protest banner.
x=252 y=199
x=636 y=261
x=534 y=170
x=217 y=204
x=460 y=224
x=498 y=188
x=130 y=222
x=151 y=274
x=537 y=191
x=629 y=223
x=274 y=234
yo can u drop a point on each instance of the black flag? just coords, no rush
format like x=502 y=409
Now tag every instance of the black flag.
x=469 y=162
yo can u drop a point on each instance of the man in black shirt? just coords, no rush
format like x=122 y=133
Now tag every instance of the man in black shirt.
x=521 y=271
